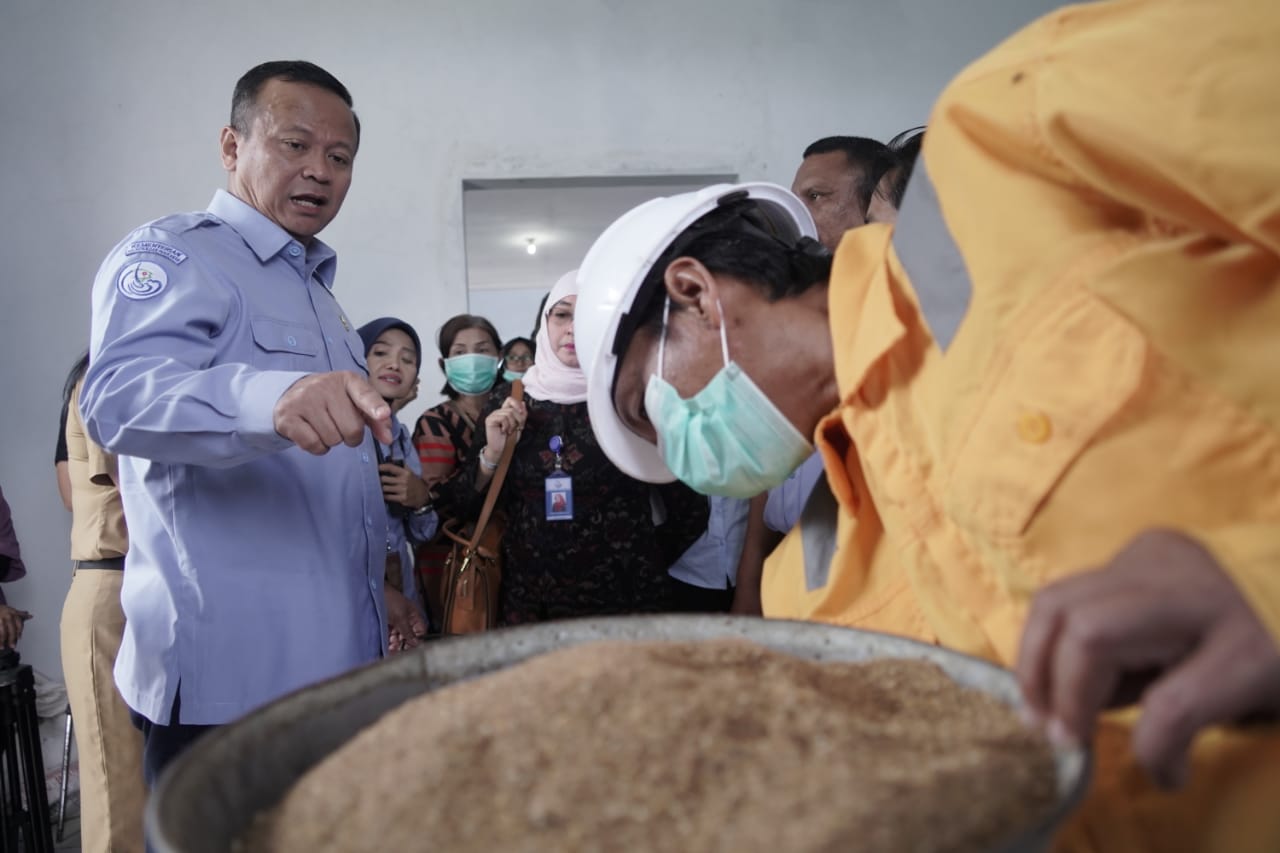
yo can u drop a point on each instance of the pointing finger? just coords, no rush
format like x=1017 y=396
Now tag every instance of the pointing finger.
x=376 y=412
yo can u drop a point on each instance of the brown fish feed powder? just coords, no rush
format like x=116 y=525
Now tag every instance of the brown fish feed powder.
x=707 y=746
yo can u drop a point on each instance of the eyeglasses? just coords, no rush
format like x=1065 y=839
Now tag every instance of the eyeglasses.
x=519 y=359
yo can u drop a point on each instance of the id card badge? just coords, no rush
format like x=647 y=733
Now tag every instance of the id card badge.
x=559 y=488
x=559 y=497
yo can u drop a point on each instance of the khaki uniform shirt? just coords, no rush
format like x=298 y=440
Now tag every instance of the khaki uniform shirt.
x=97 y=515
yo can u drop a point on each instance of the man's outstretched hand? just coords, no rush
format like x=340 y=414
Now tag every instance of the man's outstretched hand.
x=324 y=410
x=1163 y=622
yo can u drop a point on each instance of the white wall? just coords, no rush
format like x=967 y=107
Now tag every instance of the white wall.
x=513 y=312
x=110 y=113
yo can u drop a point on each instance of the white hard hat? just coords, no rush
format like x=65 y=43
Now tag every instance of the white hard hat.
x=609 y=286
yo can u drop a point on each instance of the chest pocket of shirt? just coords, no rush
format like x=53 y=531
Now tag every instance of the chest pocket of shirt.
x=282 y=345
x=356 y=347
x=1045 y=399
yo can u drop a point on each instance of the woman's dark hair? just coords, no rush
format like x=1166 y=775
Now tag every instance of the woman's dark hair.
x=450 y=330
x=542 y=310
x=511 y=344
x=748 y=239
x=906 y=149
x=77 y=372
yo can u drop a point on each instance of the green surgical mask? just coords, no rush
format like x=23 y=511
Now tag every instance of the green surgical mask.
x=728 y=439
x=512 y=375
x=472 y=373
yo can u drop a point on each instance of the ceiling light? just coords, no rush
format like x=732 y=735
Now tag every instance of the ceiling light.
x=532 y=248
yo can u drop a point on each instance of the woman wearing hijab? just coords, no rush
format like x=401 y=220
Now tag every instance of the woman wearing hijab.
x=582 y=538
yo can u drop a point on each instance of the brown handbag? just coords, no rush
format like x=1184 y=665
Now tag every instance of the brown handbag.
x=473 y=569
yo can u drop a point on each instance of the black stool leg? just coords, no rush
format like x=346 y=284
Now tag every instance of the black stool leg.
x=24 y=799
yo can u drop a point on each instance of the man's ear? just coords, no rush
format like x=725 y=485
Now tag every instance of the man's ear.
x=691 y=286
x=229 y=145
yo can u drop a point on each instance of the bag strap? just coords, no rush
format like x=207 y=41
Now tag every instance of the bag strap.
x=495 y=484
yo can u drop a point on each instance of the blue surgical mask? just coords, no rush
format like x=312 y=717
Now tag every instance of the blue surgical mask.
x=472 y=373
x=512 y=375
x=728 y=439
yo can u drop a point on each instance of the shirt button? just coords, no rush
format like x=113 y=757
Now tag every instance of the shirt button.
x=295 y=250
x=1034 y=427
x=291 y=341
x=364 y=457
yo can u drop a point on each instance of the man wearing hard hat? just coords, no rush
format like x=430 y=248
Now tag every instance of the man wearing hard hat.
x=1047 y=401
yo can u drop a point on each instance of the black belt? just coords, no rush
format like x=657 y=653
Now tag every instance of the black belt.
x=113 y=563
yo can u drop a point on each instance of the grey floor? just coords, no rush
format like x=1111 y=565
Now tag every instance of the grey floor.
x=70 y=833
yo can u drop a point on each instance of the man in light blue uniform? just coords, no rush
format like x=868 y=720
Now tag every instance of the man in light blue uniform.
x=786 y=502
x=229 y=382
x=706 y=575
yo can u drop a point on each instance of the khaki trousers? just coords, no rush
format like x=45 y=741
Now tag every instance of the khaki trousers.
x=112 y=794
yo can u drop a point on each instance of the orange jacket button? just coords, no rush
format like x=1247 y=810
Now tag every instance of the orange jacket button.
x=1034 y=427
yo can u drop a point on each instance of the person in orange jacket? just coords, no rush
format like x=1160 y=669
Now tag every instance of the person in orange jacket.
x=1046 y=398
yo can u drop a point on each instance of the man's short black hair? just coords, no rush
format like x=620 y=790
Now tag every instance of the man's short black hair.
x=869 y=157
x=244 y=100
x=742 y=237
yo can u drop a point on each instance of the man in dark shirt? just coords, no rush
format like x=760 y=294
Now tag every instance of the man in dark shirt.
x=11 y=569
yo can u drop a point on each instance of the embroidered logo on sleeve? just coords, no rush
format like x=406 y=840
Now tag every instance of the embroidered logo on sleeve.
x=164 y=250
x=141 y=280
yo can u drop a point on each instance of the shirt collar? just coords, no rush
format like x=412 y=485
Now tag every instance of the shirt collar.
x=865 y=322
x=267 y=239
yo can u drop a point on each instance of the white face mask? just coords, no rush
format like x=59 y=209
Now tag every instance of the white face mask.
x=728 y=439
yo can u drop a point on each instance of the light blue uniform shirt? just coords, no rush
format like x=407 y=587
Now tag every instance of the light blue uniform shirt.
x=254 y=567
x=785 y=502
x=404 y=533
x=711 y=562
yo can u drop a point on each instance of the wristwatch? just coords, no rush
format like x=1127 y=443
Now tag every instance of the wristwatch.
x=426 y=507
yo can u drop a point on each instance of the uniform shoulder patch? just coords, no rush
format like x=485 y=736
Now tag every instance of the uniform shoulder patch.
x=141 y=280
x=154 y=247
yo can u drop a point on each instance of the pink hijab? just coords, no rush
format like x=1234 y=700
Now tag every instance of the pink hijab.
x=550 y=378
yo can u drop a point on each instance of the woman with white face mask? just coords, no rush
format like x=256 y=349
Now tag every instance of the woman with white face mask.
x=469 y=347
x=517 y=358
x=582 y=538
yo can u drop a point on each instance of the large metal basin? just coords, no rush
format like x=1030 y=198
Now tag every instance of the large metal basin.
x=209 y=796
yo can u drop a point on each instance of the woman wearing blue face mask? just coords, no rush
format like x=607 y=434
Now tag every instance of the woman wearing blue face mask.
x=582 y=538
x=469 y=347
